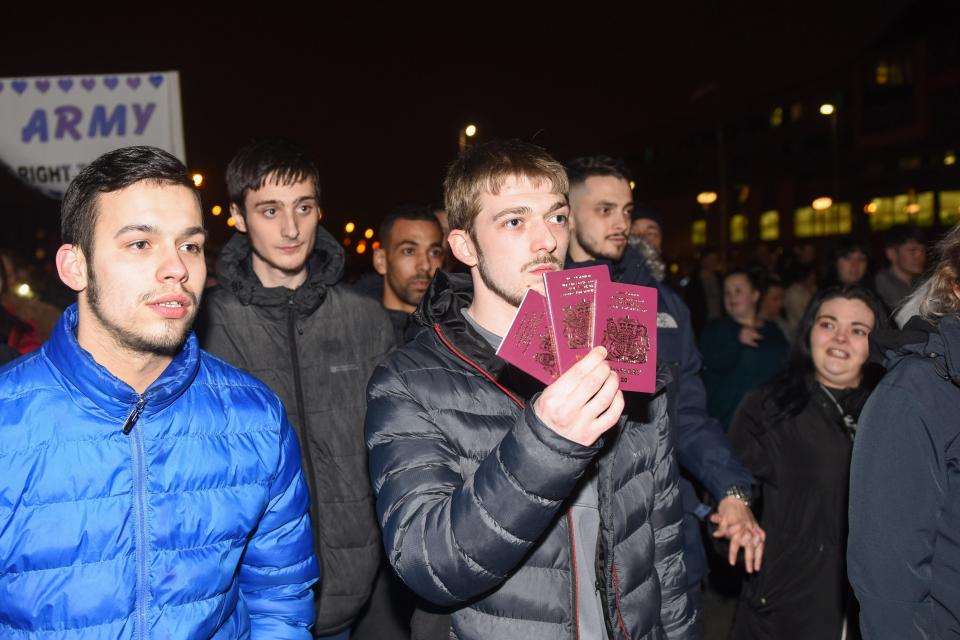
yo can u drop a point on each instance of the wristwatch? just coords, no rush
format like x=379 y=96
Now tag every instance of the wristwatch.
x=741 y=494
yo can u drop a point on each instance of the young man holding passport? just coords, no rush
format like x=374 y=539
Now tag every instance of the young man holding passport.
x=516 y=511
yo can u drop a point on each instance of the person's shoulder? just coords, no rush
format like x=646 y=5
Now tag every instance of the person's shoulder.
x=24 y=376
x=218 y=299
x=423 y=352
x=221 y=376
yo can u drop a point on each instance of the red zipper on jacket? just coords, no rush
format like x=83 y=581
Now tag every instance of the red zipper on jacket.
x=436 y=328
x=616 y=600
x=573 y=544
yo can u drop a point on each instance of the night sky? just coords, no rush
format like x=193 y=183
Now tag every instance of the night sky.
x=380 y=94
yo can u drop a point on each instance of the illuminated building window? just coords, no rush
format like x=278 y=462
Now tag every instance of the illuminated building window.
x=905 y=208
x=949 y=207
x=803 y=222
x=881 y=74
x=770 y=225
x=699 y=232
x=738 y=228
x=837 y=220
x=776 y=117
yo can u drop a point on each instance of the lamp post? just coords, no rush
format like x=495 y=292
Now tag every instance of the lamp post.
x=466 y=133
x=829 y=110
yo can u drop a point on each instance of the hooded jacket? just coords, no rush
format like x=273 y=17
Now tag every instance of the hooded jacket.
x=180 y=512
x=902 y=552
x=316 y=347
x=472 y=493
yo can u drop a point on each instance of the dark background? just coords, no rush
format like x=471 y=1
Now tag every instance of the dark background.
x=379 y=93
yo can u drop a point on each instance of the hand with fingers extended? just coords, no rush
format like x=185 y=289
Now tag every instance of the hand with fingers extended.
x=736 y=523
x=584 y=402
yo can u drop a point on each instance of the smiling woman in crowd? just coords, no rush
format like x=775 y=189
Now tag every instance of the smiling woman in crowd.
x=796 y=436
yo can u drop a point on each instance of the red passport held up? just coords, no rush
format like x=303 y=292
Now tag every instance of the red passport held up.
x=583 y=309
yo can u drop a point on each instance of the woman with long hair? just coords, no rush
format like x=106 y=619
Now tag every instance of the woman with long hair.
x=904 y=547
x=740 y=350
x=796 y=436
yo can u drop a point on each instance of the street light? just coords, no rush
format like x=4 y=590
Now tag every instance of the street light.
x=822 y=204
x=216 y=210
x=197 y=179
x=350 y=227
x=707 y=198
x=467 y=132
x=827 y=109
x=368 y=234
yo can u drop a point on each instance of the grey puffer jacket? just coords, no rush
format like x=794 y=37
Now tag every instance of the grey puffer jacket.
x=315 y=347
x=472 y=494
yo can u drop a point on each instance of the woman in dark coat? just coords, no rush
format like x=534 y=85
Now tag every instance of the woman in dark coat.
x=796 y=436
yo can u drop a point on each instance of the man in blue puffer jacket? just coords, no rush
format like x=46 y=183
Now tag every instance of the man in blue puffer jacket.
x=148 y=490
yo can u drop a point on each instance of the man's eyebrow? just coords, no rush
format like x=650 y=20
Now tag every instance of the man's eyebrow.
x=266 y=202
x=407 y=241
x=515 y=211
x=559 y=204
x=193 y=231
x=141 y=228
x=826 y=315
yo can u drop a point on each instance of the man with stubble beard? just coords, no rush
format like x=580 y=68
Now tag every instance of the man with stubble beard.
x=601 y=204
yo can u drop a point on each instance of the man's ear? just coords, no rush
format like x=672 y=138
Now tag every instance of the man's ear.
x=72 y=267
x=380 y=261
x=238 y=220
x=462 y=247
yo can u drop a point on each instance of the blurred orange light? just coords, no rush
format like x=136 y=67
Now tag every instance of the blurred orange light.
x=368 y=234
x=216 y=210
x=197 y=179
x=361 y=247
x=346 y=242
x=350 y=227
x=870 y=209
x=707 y=197
x=230 y=222
x=376 y=245
x=822 y=204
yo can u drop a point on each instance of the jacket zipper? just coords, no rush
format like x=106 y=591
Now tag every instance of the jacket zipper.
x=140 y=511
x=607 y=548
x=305 y=444
x=573 y=546
x=576 y=584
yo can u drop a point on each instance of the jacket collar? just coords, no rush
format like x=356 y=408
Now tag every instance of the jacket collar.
x=440 y=308
x=940 y=341
x=93 y=382
x=325 y=265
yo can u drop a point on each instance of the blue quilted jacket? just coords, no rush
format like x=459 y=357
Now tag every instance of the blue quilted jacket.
x=178 y=513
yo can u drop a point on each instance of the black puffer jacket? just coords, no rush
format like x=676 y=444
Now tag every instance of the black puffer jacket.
x=472 y=493
x=315 y=347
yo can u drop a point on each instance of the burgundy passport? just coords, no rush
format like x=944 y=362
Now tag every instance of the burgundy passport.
x=528 y=344
x=570 y=302
x=626 y=326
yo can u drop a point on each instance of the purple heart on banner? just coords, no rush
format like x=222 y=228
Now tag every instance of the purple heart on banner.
x=65 y=84
x=156 y=80
x=110 y=83
x=19 y=86
x=133 y=82
x=42 y=85
x=88 y=83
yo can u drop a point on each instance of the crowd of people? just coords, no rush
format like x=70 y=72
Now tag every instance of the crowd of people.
x=286 y=454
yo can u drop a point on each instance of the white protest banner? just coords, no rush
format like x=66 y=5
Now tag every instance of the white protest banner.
x=53 y=126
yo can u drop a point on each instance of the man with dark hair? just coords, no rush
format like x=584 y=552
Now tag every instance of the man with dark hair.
x=601 y=203
x=518 y=514
x=149 y=489
x=645 y=223
x=411 y=251
x=281 y=313
x=907 y=254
